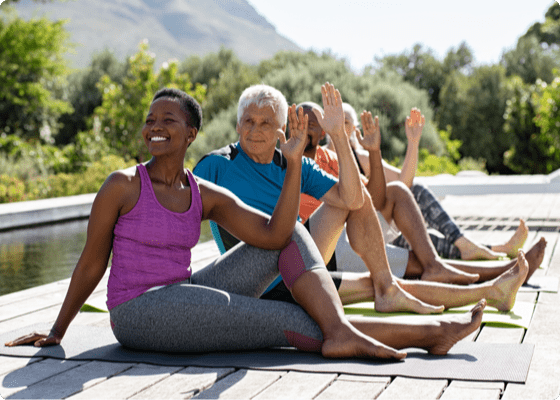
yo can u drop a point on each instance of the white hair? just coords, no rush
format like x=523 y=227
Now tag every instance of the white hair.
x=262 y=96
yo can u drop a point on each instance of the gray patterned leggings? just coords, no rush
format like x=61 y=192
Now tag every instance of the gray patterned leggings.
x=219 y=309
x=436 y=218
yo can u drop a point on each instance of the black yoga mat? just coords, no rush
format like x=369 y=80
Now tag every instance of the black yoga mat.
x=465 y=361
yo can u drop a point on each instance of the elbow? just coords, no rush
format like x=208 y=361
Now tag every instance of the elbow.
x=359 y=199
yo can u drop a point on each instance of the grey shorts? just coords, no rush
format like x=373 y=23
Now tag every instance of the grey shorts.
x=347 y=260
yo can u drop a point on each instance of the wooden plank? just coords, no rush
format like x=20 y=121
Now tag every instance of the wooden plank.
x=184 y=384
x=31 y=304
x=9 y=364
x=454 y=393
x=413 y=389
x=542 y=382
x=20 y=379
x=127 y=384
x=73 y=381
x=366 y=387
x=243 y=384
x=298 y=385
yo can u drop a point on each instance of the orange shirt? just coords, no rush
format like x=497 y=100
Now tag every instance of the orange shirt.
x=326 y=159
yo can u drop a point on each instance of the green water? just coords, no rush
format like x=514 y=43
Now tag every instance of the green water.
x=39 y=255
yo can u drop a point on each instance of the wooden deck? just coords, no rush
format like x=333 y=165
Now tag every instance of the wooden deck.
x=490 y=218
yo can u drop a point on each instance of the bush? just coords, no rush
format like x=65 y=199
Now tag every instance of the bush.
x=11 y=189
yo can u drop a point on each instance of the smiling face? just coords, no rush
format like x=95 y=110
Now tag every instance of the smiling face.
x=257 y=129
x=166 y=129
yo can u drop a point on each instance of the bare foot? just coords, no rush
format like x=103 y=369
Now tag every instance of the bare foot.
x=535 y=256
x=349 y=342
x=515 y=242
x=454 y=328
x=507 y=284
x=473 y=251
x=444 y=273
x=395 y=299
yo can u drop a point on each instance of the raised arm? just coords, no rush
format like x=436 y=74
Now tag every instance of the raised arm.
x=250 y=225
x=413 y=128
x=92 y=263
x=347 y=192
x=371 y=141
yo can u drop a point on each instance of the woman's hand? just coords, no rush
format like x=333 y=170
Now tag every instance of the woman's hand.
x=293 y=148
x=38 y=340
x=414 y=125
x=371 y=141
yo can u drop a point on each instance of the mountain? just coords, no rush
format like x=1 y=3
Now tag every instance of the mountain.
x=174 y=28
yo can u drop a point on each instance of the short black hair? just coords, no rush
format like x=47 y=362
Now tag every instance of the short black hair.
x=187 y=103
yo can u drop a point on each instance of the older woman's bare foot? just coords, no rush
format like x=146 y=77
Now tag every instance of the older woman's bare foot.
x=515 y=242
x=535 y=256
x=455 y=328
x=507 y=284
x=473 y=251
x=439 y=271
x=349 y=342
x=395 y=299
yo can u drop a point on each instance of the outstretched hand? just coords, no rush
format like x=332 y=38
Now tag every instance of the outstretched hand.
x=332 y=122
x=371 y=140
x=293 y=147
x=37 y=339
x=414 y=125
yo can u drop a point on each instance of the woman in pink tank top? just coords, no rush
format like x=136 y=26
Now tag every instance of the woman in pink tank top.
x=150 y=215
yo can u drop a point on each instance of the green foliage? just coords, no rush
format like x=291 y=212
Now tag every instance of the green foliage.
x=474 y=107
x=548 y=120
x=530 y=61
x=88 y=181
x=32 y=72
x=11 y=189
x=84 y=94
x=125 y=105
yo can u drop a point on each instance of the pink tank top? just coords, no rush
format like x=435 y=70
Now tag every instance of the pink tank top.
x=151 y=244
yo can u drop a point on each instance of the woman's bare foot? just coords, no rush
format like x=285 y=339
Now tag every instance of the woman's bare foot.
x=535 y=256
x=473 y=251
x=439 y=271
x=454 y=328
x=515 y=242
x=507 y=284
x=395 y=299
x=349 y=342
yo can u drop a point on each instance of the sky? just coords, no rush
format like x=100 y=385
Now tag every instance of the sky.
x=360 y=30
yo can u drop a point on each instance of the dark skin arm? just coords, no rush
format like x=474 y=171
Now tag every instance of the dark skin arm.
x=371 y=141
x=93 y=261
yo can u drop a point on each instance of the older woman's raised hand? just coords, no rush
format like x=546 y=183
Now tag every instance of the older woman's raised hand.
x=37 y=339
x=293 y=147
x=371 y=140
x=332 y=121
x=414 y=125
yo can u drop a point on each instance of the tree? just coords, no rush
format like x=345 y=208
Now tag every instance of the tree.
x=548 y=120
x=32 y=72
x=84 y=94
x=124 y=106
x=473 y=106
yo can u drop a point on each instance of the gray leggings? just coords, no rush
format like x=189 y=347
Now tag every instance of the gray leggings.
x=436 y=218
x=219 y=310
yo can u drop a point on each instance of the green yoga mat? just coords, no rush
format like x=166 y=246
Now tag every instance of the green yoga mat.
x=518 y=316
x=466 y=360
